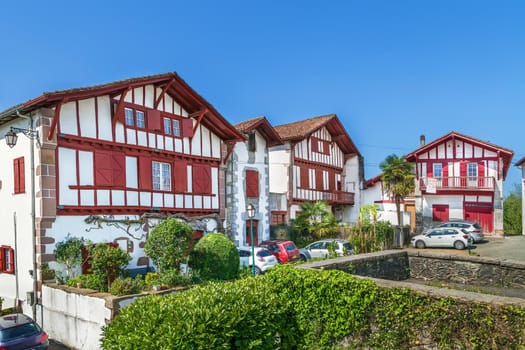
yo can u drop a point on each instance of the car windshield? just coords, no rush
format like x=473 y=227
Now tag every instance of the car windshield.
x=264 y=253
x=24 y=330
x=290 y=247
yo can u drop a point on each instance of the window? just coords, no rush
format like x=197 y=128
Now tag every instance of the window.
x=172 y=127
x=472 y=170
x=7 y=259
x=161 y=175
x=19 y=175
x=251 y=142
x=437 y=170
x=134 y=118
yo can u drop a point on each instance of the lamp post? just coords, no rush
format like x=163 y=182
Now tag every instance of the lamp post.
x=250 y=211
x=11 y=138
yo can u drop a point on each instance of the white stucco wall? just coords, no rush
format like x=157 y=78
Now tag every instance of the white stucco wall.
x=279 y=159
x=352 y=183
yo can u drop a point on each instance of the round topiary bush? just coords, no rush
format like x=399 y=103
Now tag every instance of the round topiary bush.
x=215 y=258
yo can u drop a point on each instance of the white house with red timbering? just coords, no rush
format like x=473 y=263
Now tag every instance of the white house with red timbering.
x=318 y=161
x=247 y=182
x=521 y=163
x=460 y=177
x=111 y=161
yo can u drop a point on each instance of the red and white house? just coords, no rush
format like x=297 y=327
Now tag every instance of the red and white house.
x=111 y=161
x=460 y=177
x=318 y=161
x=247 y=182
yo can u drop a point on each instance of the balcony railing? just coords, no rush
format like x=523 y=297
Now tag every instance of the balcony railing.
x=431 y=185
x=332 y=197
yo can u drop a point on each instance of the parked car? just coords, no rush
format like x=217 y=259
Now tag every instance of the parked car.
x=475 y=229
x=284 y=251
x=263 y=259
x=18 y=331
x=443 y=237
x=321 y=249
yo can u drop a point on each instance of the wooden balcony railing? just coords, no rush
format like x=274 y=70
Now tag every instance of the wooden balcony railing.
x=431 y=185
x=332 y=197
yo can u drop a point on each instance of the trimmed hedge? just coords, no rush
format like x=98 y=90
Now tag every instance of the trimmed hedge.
x=290 y=308
x=214 y=258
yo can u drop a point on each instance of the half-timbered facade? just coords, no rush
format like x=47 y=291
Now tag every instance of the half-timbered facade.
x=318 y=161
x=247 y=182
x=460 y=177
x=111 y=161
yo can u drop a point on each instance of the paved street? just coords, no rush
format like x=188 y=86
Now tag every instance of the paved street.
x=508 y=248
x=53 y=345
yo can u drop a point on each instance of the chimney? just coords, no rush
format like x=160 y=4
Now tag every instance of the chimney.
x=422 y=140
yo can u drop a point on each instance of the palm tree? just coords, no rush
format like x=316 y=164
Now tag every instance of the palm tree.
x=315 y=221
x=398 y=182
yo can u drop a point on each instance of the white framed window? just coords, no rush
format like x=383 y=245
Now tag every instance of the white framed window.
x=437 y=170
x=130 y=120
x=472 y=170
x=134 y=118
x=141 y=122
x=161 y=176
x=167 y=126
x=176 y=127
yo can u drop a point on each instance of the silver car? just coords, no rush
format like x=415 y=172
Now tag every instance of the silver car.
x=443 y=237
x=475 y=229
x=320 y=249
x=264 y=259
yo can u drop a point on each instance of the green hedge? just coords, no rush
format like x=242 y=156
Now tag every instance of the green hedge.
x=309 y=309
x=214 y=258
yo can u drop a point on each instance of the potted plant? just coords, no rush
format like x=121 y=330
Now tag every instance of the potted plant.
x=47 y=273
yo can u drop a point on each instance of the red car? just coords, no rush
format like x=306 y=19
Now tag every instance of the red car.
x=284 y=251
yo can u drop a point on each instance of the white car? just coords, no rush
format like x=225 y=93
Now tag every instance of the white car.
x=320 y=249
x=475 y=229
x=445 y=237
x=263 y=259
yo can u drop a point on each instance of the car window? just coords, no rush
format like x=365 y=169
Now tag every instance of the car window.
x=477 y=226
x=263 y=253
x=465 y=231
x=290 y=247
x=244 y=253
x=451 y=232
x=436 y=233
x=317 y=245
x=24 y=330
x=347 y=246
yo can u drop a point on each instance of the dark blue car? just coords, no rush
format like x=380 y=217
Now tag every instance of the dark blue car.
x=19 y=332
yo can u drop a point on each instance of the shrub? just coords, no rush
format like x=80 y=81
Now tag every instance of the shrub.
x=108 y=262
x=87 y=281
x=215 y=257
x=168 y=243
x=126 y=286
x=173 y=278
x=69 y=253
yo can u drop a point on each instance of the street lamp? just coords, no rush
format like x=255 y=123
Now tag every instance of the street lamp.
x=11 y=138
x=250 y=211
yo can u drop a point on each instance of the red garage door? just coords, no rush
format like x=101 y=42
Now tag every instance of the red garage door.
x=440 y=212
x=482 y=213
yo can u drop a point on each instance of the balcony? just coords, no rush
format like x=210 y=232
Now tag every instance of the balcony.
x=454 y=183
x=332 y=197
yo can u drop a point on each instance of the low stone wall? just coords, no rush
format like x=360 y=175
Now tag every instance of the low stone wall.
x=471 y=270
x=388 y=264
x=75 y=316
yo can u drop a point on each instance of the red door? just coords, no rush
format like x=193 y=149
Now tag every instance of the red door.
x=440 y=212
x=255 y=231
x=482 y=213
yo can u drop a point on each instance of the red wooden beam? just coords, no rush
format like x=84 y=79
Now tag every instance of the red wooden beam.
x=168 y=85
x=55 y=119
x=120 y=107
x=232 y=146
x=201 y=115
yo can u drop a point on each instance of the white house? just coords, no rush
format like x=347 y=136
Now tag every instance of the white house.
x=110 y=161
x=521 y=163
x=318 y=161
x=247 y=182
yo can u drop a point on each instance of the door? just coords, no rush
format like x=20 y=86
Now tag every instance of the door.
x=411 y=208
x=440 y=212
x=482 y=213
x=318 y=249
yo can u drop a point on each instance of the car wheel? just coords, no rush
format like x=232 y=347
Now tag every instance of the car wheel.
x=257 y=270
x=420 y=244
x=459 y=245
x=302 y=257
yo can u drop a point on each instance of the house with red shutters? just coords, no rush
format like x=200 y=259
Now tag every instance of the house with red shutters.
x=247 y=182
x=459 y=177
x=317 y=162
x=110 y=162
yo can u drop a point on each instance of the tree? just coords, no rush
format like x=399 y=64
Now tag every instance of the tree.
x=398 y=182
x=69 y=253
x=315 y=221
x=168 y=243
x=215 y=258
x=512 y=223
x=108 y=262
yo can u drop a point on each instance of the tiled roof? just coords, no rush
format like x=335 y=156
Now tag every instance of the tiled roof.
x=264 y=127
x=302 y=128
x=247 y=125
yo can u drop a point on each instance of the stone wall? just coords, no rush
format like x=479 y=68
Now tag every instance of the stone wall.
x=472 y=270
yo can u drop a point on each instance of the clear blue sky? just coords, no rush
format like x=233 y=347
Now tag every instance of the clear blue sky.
x=391 y=70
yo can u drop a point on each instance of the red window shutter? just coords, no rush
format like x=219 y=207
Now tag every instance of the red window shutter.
x=252 y=183
x=2 y=259
x=304 y=177
x=319 y=179
x=326 y=147
x=445 y=175
x=145 y=180
x=481 y=174
x=331 y=180
x=19 y=175
x=463 y=169
x=187 y=127
x=11 y=268
x=201 y=178
x=430 y=169
x=180 y=177
x=314 y=144
x=103 y=168
x=154 y=120
x=119 y=169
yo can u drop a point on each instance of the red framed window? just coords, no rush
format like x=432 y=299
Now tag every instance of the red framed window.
x=7 y=259
x=252 y=183
x=161 y=176
x=177 y=126
x=19 y=175
x=278 y=217
x=134 y=118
